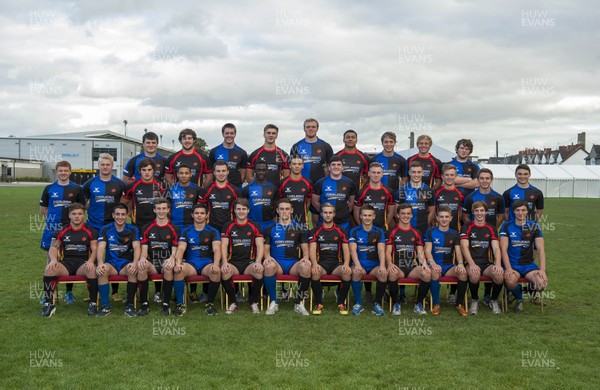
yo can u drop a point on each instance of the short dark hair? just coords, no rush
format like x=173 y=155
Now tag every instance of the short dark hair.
x=242 y=202
x=478 y=204
x=485 y=170
x=367 y=207
x=183 y=165
x=335 y=159
x=466 y=142
x=415 y=163
x=351 y=132
x=523 y=166
x=158 y=201
x=150 y=136
x=121 y=206
x=519 y=203
x=146 y=162
x=283 y=200
x=228 y=126
x=444 y=209
x=388 y=134
x=403 y=206
x=220 y=162
x=310 y=120
x=200 y=206
x=75 y=206
x=270 y=126
x=185 y=132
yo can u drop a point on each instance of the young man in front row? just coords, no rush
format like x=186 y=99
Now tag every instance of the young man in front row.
x=330 y=255
x=77 y=243
x=367 y=250
x=283 y=242
x=518 y=239
x=159 y=245
x=119 y=252
x=242 y=249
x=442 y=248
x=405 y=259
x=479 y=245
x=198 y=253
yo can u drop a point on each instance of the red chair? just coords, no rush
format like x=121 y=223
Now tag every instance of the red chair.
x=407 y=282
x=121 y=279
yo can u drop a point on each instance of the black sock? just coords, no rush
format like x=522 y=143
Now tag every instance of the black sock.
x=402 y=290
x=157 y=287
x=462 y=290
x=379 y=291
x=131 y=287
x=93 y=286
x=115 y=288
x=167 y=289
x=256 y=287
x=474 y=288
x=228 y=287
x=49 y=285
x=317 y=291
x=368 y=287
x=423 y=289
x=343 y=291
x=394 y=291
x=487 y=289
x=303 y=284
x=69 y=287
x=205 y=288
x=144 y=291
x=453 y=288
x=213 y=287
x=193 y=288
x=496 y=288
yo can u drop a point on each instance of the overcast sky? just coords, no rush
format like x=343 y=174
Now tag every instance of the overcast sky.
x=524 y=73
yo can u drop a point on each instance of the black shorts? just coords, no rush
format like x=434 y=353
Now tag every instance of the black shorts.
x=407 y=270
x=483 y=266
x=158 y=264
x=329 y=267
x=72 y=265
x=241 y=265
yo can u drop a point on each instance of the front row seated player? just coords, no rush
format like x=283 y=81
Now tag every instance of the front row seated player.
x=283 y=242
x=442 y=248
x=76 y=244
x=518 y=240
x=330 y=255
x=242 y=249
x=405 y=259
x=159 y=245
x=479 y=244
x=367 y=251
x=198 y=253
x=118 y=254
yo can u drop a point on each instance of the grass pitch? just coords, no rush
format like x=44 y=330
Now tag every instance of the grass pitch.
x=557 y=349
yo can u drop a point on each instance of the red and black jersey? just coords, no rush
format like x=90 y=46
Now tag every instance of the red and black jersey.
x=454 y=200
x=196 y=161
x=480 y=242
x=220 y=203
x=76 y=244
x=432 y=168
x=160 y=240
x=298 y=192
x=143 y=194
x=356 y=164
x=329 y=243
x=242 y=240
x=380 y=198
x=276 y=159
x=404 y=243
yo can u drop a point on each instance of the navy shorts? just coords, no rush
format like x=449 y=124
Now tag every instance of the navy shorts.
x=118 y=263
x=286 y=265
x=446 y=268
x=369 y=265
x=525 y=269
x=199 y=264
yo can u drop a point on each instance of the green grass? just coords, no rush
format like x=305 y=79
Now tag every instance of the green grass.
x=331 y=351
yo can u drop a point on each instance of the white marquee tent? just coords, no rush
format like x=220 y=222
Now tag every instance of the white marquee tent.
x=555 y=181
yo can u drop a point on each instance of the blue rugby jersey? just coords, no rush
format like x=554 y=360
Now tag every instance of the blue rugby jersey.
x=119 y=244
x=336 y=192
x=262 y=198
x=442 y=244
x=57 y=198
x=521 y=241
x=199 y=242
x=315 y=156
x=366 y=242
x=394 y=169
x=420 y=198
x=103 y=195
x=533 y=196
x=236 y=159
x=182 y=200
x=131 y=167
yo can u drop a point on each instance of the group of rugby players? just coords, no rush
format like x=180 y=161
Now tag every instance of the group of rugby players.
x=230 y=214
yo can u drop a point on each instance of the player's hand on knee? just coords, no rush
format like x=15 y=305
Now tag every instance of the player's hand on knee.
x=214 y=269
x=382 y=272
x=460 y=270
x=89 y=266
x=143 y=264
x=359 y=271
x=131 y=269
x=52 y=265
x=101 y=269
x=258 y=267
x=346 y=270
x=178 y=268
x=496 y=270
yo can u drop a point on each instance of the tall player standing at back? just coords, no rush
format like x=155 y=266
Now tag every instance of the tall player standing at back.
x=355 y=162
x=432 y=166
x=201 y=172
x=466 y=170
x=315 y=154
x=235 y=157
x=393 y=165
x=523 y=190
x=274 y=156
x=131 y=171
